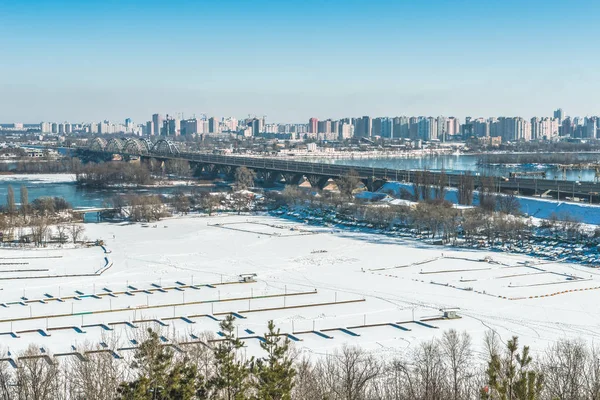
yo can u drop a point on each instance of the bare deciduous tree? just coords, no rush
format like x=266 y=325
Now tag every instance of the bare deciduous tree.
x=76 y=231
x=38 y=377
x=457 y=355
x=244 y=178
x=39 y=230
x=347 y=373
x=62 y=231
x=347 y=183
x=95 y=378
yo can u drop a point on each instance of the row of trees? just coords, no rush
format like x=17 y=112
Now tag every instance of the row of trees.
x=446 y=368
x=112 y=173
x=41 y=206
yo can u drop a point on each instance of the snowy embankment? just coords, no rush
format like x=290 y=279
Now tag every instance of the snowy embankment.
x=531 y=206
x=43 y=178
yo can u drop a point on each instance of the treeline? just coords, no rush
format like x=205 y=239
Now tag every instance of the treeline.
x=495 y=222
x=446 y=368
x=44 y=219
x=112 y=174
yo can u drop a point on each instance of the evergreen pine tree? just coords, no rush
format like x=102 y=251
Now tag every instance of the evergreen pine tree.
x=512 y=376
x=160 y=376
x=231 y=378
x=274 y=373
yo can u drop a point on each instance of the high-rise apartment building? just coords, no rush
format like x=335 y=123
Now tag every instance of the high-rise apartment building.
x=313 y=125
x=401 y=128
x=386 y=128
x=149 y=128
x=346 y=131
x=590 y=128
x=213 y=125
x=171 y=126
x=46 y=127
x=157 y=122
x=559 y=115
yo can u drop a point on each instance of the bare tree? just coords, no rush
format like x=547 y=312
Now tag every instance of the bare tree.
x=244 y=178
x=457 y=355
x=24 y=200
x=210 y=201
x=10 y=201
x=509 y=204
x=591 y=375
x=39 y=230
x=565 y=370
x=241 y=202
x=62 y=231
x=487 y=198
x=465 y=189
x=38 y=377
x=76 y=231
x=347 y=183
x=6 y=380
x=441 y=186
x=429 y=372
x=95 y=378
x=347 y=373
x=307 y=382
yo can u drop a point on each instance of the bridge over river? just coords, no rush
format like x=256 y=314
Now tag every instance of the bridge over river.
x=271 y=170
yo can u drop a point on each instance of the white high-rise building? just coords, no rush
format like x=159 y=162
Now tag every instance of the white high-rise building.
x=46 y=127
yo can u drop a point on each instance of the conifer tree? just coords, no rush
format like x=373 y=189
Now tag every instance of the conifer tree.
x=512 y=376
x=274 y=373
x=160 y=376
x=231 y=378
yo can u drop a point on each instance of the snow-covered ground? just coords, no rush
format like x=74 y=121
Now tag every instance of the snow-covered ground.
x=325 y=287
x=532 y=206
x=45 y=178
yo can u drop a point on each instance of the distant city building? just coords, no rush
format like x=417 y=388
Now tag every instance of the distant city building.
x=46 y=127
x=346 y=131
x=213 y=125
x=559 y=115
x=157 y=122
x=148 y=128
x=590 y=128
x=171 y=126
x=313 y=125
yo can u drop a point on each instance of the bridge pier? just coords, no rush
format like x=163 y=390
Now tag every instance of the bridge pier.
x=227 y=170
x=292 y=178
x=373 y=184
x=318 y=181
x=268 y=178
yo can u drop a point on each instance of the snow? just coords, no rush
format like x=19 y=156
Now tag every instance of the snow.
x=43 y=178
x=308 y=278
x=532 y=206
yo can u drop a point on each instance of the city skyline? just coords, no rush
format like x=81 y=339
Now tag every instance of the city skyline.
x=87 y=61
x=559 y=126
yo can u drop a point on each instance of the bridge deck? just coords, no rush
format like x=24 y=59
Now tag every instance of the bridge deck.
x=530 y=184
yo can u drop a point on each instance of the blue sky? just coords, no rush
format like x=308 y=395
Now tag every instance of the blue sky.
x=290 y=60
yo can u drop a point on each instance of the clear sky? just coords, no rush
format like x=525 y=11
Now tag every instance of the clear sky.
x=88 y=60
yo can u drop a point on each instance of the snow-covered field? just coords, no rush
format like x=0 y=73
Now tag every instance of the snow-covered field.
x=323 y=287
